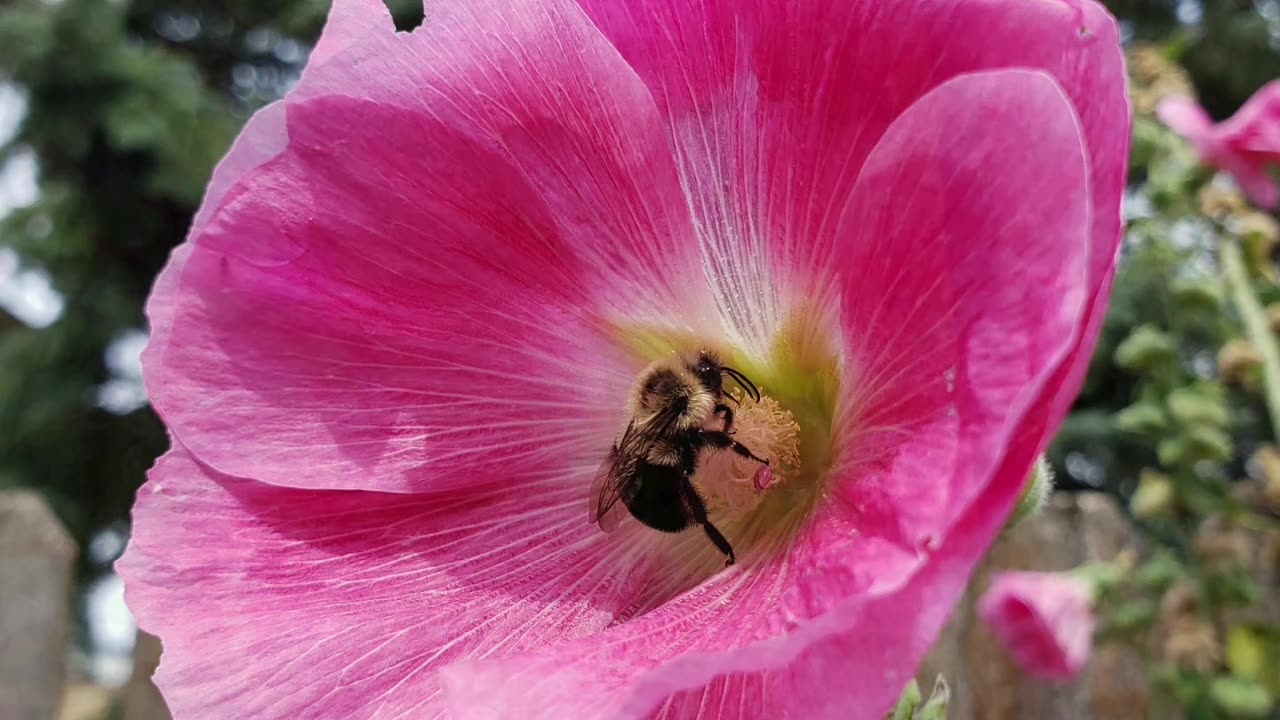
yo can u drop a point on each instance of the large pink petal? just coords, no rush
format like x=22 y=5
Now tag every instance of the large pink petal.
x=426 y=288
x=350 y=22
x=964 y=270
x=924 y=270
x=265 y=136
x=285 y=603
x=773 y=105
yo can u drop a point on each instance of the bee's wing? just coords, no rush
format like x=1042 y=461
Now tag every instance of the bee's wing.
x=606 y=491
x=615 y=476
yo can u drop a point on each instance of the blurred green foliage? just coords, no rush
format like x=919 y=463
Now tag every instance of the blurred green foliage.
x=1180 y=419
x=129 y=104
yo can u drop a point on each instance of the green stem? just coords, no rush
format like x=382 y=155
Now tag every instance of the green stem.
x=1256 y=327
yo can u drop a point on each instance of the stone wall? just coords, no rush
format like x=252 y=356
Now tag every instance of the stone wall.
x=37 y=566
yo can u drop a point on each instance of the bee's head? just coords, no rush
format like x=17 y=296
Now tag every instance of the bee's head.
x=709 y=372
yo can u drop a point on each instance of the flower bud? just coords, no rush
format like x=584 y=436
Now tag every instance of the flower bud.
x=1220 y=201
x=1210 y=443
x=1203 y=294
x=1259 y=233
x=1192 y=645
x=913 y=706
x=1200 y=405
x=1266 y=463
x=1236 y=359
x=1273 y=316
x=1196 y=443
x=1155 y=496
x=1221 y=546
x=1255 y=226
x=1147 y=349
x=1189 y=642
x=1035 y=495
x=935 y=708
x=909 y=702
x=1141 y=419
x=1180 y=600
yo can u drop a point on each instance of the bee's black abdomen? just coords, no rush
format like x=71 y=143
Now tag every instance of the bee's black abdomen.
x=657 y=499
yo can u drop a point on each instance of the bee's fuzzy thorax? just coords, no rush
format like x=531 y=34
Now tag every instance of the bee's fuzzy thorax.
x=667 y=381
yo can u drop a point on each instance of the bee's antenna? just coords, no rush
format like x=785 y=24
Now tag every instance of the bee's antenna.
x=743 y=382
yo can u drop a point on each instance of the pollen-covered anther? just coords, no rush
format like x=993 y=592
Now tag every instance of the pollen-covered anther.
x=735 y=485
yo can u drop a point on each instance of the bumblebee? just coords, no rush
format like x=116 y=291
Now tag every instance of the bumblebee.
x=675 y=406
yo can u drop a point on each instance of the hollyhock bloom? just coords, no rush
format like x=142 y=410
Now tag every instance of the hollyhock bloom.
x=406 y=325
x=1044 y=619
x=1247 y=145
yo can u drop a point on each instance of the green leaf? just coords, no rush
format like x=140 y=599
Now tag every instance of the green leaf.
x=907 y=704
x=913 y=706
x=1159 y=573
x=1130 y=616
x=1253 y=651
x=1240 y=697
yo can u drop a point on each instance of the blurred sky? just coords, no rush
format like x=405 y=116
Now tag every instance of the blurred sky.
x=26 y=293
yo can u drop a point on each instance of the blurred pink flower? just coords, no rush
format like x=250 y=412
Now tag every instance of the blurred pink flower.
x=1044 y=619
x=1247 y=145
x=403 y=332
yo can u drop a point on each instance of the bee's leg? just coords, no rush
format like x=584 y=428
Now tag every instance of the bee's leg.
x=721 y=440
x=699 y=510
x=727 y=412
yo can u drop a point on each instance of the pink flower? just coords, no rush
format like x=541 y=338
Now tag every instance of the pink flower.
x=1247 y=145
x=1044 y=619
x=406 y=325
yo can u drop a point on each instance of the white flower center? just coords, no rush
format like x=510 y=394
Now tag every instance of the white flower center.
x=733 y=485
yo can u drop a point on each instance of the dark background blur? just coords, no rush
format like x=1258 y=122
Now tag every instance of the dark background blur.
x=112 y=115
